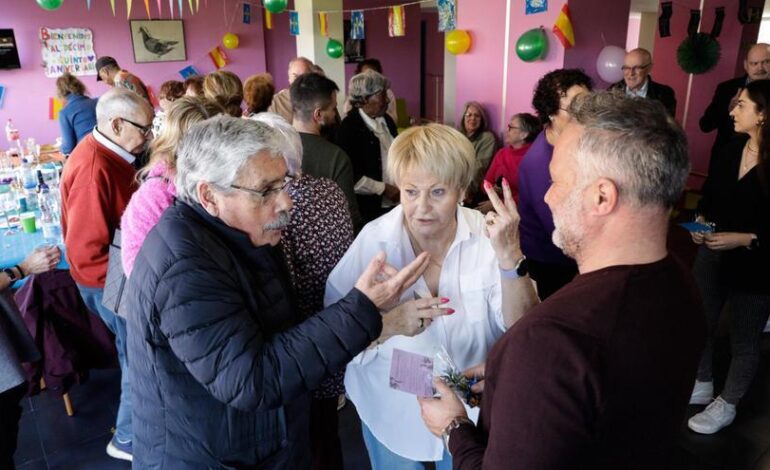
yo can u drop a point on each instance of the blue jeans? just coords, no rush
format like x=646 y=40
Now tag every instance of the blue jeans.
x=383 y=458
x=92 y=296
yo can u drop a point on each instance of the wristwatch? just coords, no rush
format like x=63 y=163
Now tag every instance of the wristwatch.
x=11 y=274
x=454 y=424
x=520 y=270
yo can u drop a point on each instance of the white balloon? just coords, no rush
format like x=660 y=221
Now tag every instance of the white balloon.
x=609 y=63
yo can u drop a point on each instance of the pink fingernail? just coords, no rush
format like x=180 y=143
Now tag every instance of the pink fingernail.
x=450 y=311
x=444 y=300
x=505 y=181
x=487 y=185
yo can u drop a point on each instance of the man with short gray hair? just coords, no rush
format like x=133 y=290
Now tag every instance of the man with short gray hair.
x=637 y=81
x=598 y=375
x=97 y=183
x=365 y=135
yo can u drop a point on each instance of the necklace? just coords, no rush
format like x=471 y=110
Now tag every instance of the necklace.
x=747 y=161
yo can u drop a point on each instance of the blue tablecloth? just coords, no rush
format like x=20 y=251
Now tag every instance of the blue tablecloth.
x=14 y=248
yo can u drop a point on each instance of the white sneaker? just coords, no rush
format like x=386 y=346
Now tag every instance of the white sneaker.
x=120 y=450
x=716 y=416
x=702 y=393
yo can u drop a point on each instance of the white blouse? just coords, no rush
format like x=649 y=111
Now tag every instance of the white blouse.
x=470 y=278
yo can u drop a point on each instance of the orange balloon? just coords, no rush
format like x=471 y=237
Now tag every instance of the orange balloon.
x=458 y=41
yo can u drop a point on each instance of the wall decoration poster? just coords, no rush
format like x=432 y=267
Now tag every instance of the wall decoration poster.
x=535 y=6
x=188 y=72
x=357 y=25
x=68 y=50
x=447 y=15
x=158 y=41
x=2 y=95
x=294 y=23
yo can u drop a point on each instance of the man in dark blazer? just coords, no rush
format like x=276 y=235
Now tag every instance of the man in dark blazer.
x=637 y=80
x=717 y=114
x=365 y=135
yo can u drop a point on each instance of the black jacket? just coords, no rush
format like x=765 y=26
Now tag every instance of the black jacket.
x=717 y=114
x=363 y=148
x=655 y=91
x=219 y=364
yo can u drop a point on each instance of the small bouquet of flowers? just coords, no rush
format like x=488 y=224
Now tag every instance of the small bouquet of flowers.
x=446 y=369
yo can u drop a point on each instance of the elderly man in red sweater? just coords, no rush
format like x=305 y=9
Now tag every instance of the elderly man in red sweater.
x=599 y=375
x=97 y=182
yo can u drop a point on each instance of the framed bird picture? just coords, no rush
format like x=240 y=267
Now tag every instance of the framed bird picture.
x=158 y=41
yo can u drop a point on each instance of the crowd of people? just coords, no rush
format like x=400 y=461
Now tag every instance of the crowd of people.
x=280 y=255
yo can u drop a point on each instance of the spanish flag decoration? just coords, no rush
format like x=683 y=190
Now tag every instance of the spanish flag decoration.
x=563 y=28
x=268 y=19
x=323 y=23
x=218 y=57
x=54 y=106
x=396 y=22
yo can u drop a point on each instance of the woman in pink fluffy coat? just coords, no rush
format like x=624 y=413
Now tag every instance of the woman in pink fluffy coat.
x=157 y=191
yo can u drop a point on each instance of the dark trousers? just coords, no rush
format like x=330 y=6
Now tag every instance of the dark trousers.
x=550 y=277
x=324 y=437
x=10 y=413
x=748 y=315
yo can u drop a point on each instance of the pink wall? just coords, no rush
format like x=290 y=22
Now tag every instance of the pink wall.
x=434 y=68
x=667 y=71
x=400 y=56
x=632 y=36
x=28 y=90
x=280 y=48
x=591 y=36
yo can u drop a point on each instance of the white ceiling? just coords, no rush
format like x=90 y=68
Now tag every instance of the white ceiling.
x=640 y=6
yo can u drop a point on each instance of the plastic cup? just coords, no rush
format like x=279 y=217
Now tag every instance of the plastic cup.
x=28 y=222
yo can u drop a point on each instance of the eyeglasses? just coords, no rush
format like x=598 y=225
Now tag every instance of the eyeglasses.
x=510 y=127
x=267 y=193
x=635 y=68
x=145 y=130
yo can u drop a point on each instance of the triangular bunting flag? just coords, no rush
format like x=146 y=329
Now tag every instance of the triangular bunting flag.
x=218 y=57
x=128 y=8
x=160 y=9
x=396 y=22
x=112 y=4
x=88 y=4
x=190 y=3
x=147 y=7
x=563 y=28
x=323 y=23
x=181 y=8
x=171 y=8
x=294 y=23
x=268 y=20
x=357 y=25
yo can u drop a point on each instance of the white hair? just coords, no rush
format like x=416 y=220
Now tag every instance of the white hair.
x=217 y=149
x=293 y=148
x=120 y=102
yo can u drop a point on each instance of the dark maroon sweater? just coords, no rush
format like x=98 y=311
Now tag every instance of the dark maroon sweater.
x=597 y=376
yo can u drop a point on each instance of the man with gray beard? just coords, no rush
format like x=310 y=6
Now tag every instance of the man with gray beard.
x=598 y=375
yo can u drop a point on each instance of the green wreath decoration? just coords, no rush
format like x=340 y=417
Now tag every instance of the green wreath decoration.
x=698 y=53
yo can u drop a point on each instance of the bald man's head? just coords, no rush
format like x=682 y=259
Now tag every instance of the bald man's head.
x=757 y=63
x=636 y=67
x=299 y=66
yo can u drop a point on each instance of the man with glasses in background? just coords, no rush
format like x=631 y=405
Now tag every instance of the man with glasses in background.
x=97 y=183
x=637 y=80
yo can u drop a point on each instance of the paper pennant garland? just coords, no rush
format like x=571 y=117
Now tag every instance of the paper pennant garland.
x=54 y=106
x=2 y=95
x=197 y=6
x=294 y=23
x=190 y=4
x=447 y=15
x=396 y=22
x=147 y=7
x=357 y=25
x=562 y=28
x=88 y=4
x=160 y=9
x=323 y=23
x=268 y=20
x=128 y=8
x=171 y=8
x=112 y=4
x=218 y=57
x=181 y=9
x=535 y=6
x=246 y=13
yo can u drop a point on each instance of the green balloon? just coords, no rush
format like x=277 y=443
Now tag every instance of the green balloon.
x=532 y=45
x=50 y=4
x=275 y=6
x=334 y=48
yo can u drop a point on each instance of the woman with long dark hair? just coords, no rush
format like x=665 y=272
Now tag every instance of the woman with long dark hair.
x=731 y=266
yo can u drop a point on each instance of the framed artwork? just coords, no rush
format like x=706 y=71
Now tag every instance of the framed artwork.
x=158 y=41
x=355 y=49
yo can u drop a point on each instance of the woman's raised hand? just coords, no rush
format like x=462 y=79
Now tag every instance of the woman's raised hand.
x=503 y=226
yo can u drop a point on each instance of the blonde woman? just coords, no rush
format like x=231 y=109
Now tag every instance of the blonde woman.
x=476 y=273
x=157 y=191
x=225 y=88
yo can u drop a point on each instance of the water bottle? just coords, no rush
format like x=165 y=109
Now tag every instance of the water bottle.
x=11 y=133
x=50 y=214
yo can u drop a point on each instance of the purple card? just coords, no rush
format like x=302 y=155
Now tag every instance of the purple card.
x=411 y=373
